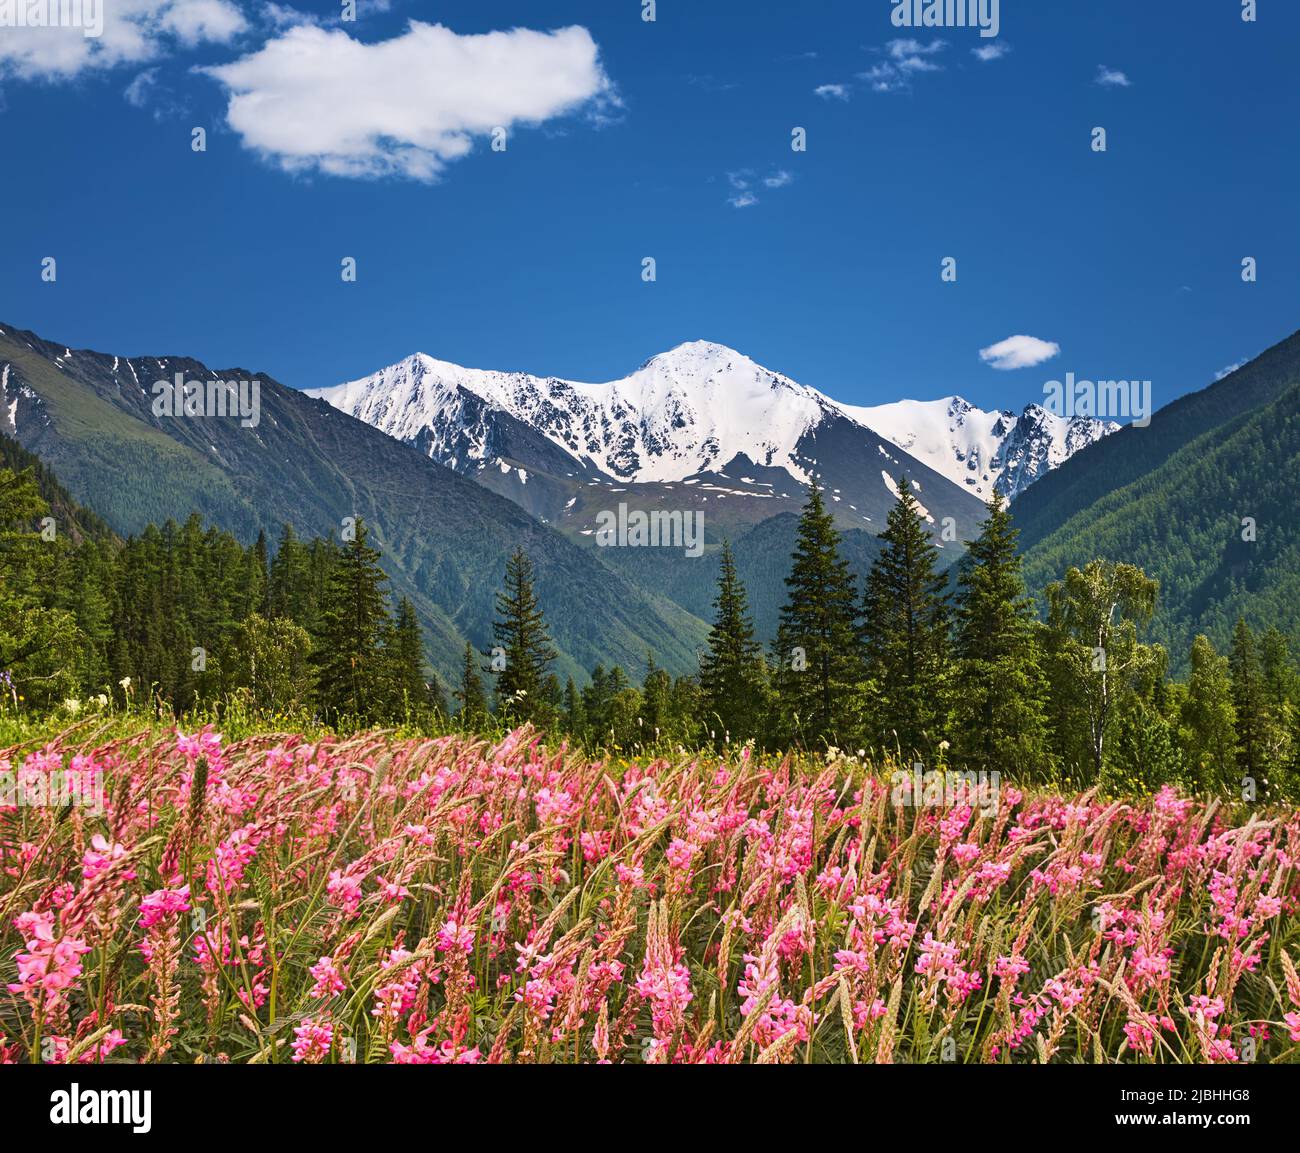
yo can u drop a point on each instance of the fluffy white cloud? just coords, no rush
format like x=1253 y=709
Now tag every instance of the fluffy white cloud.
x=986 y=53
x=315 y=99
x=134 y=31
x=832 y=91
x=1019 y=352
x=1111 y=78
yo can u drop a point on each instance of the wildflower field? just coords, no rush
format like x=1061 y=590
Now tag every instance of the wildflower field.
x=376 y=899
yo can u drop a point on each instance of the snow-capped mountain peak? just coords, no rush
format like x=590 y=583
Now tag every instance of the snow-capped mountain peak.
x=693 y=410
x=982 y=451
x=686 y=411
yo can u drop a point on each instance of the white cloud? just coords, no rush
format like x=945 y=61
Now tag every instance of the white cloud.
x=917 y=64
x=744 y=181
x=134 y=32
x=884 y=78
x=138 y=91
x=1230 y=369
x=286 y=16
x=1111 y=78
x=832 y=91
x=146 y=91
x=990 y=52
x=907 y=58
x=1019 y=352
x=903 y=49
x=315 y=99
x=196 y=21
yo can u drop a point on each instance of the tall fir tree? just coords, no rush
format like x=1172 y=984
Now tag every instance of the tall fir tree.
x=349 y=658
x=257 y=593
x=1282 y=702
x=1248 y=700
x=524 y=639
x=1209 y=719
x=905 y=634
x=573 y=720
x=473 y=702
x=732 y=672
x=409 y=688
x=817 y=668
x=999 y=685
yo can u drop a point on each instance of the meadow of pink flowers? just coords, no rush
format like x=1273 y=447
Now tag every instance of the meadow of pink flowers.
x=445 y=900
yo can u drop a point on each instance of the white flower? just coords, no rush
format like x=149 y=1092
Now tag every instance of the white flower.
x=125 y=682
x=72 y=705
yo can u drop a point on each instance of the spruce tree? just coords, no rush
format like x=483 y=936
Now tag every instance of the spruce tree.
x=816 y=650
x=905 y=633
x=732 y=682
x=1248 y=700
x=595 y=705
x=574 y=723
x=999 y=686
x=409 y=689
x=473 y=703
x=1209 y=718
x=1281 y=700
x=350 y=662
x=522 y=634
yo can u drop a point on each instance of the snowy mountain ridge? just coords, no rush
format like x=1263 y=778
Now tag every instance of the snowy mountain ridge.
x=692 y=410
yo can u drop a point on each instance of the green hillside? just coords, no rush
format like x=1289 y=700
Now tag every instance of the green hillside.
x=1182 y=521
x=444 y=538
x=1126 y=456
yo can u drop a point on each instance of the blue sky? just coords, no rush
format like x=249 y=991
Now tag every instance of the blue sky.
x=665 y=133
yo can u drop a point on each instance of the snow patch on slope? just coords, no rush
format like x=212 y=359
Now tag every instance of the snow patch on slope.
x=982 y=451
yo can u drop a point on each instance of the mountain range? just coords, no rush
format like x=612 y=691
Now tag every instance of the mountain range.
x=709 y=425
x=454 y=467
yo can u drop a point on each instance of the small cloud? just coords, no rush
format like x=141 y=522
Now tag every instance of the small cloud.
x=1019 y=352
x=283 y=16
x=987 y=53
x=146 y=92
x=1111 y=78
x=832 y=91
x=917 y=64
x=1231 y=369
x=884 y=78
x=907 y=58
x=137 y=92
x=903 y=49
x=743 y=184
